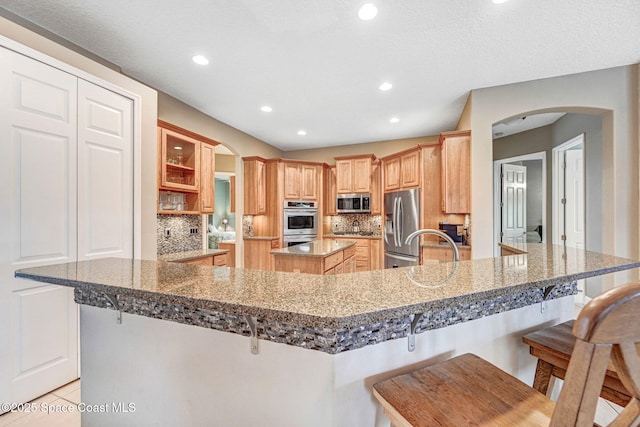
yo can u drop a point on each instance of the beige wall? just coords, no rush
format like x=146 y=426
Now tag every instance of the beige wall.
x=379 y=148
x=225 y=163
x=612 y=94
x=148 y=111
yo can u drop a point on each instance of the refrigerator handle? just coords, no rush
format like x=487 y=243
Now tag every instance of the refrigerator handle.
x=400 y=222
x=397 y=222
x=394 y=218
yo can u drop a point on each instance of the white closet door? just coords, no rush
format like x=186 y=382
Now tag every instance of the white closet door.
x=105 y=173
x=38 y=323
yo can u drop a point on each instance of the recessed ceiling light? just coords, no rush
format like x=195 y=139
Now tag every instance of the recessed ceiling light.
x=394 y=120
x=200 y=60
x=499 y=1
x=302 y=132
x=266 y=109
x=367 y=11
x=177 y=147
x=385 y=86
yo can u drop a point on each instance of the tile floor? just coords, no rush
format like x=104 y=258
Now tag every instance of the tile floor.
x=70 y=395
x=67 y=396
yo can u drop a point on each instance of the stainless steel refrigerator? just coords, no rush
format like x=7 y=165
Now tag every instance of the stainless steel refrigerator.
x=402 y=217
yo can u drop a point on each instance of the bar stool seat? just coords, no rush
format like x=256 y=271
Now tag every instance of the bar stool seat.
x=469 y=391
x=553 y=347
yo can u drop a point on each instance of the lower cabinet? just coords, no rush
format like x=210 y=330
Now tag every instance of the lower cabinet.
x=231 y=255
x=219 y=260
x=336 y=263
x=257 y=253
x=444 y=253
x=367 y=253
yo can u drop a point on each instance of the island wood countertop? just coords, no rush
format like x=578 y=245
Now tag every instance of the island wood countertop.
x=327 y=305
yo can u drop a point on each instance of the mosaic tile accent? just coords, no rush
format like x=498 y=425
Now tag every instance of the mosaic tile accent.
x=328 y=340
x=247 y=225
x=367 y=223
x=180 y=239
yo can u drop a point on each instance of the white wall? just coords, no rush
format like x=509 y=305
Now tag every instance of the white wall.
x=612 y=94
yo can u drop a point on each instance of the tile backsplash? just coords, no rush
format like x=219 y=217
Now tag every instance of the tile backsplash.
x=180 y=238
x=367 y=223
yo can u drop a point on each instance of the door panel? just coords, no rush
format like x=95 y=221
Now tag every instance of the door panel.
x=38 y=324
x=514 y=203
x=105 y=175
x=574 y=195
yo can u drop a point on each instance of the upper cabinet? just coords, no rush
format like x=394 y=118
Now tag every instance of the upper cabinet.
x=186 y=169
x=376 y=190
x=353 y=174
x=255 y=186
x=180 y=161
x=402 y=170
x=301 y=180
x=330 y=194
x=456 y=171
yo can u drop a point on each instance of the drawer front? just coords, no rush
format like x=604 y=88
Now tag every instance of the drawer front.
x=200 y=261
x=220 y=260
x=351 y=251
x=332 y=260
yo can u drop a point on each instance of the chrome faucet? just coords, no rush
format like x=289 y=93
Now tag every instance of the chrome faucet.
x=456 y=252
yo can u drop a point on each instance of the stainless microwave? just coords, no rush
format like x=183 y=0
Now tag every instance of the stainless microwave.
x=353 y=203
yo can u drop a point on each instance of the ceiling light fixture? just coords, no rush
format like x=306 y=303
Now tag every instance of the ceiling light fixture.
x=499 y=1
x=367 y=12
x=385 y=86
x=266 y=109
x=302 y=132
x=200 y=60
x=177 y=147
x=394 y=120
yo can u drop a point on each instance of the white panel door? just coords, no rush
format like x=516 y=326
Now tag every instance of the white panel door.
x=38 y=323
x=105 y=173
x=514 y=203
x=574 y=196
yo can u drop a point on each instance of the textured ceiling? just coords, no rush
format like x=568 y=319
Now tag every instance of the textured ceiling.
x=319 y=67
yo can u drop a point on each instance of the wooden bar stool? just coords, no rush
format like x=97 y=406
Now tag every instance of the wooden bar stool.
x=468 y=390
x=553 y=346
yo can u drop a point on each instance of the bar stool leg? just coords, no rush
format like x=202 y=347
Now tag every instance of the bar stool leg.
x=543 y=376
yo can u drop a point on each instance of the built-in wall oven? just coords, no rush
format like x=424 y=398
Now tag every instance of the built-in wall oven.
x=300 y=221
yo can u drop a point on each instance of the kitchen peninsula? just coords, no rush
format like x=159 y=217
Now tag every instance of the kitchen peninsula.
x=214 y=345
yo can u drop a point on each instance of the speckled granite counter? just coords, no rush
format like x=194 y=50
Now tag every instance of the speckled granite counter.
x=317 y=248
x=330 y=313
x=353 y=236
x=260 y=238
x=189 y=255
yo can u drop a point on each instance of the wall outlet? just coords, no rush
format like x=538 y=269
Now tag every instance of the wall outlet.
x=167 y=232
x=194 y=230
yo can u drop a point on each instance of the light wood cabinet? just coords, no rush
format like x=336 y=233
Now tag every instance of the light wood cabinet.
x=366 y=253
x=456 y=171
x=207 y=178
x=257 y=253
x=330 y=195
x=301 y=181
x=231 y=255
x=218 y=260
x=255 y=182
x=376 y=190
x=444 y=253
x=232 y=193
x=402 y=170
x=340 y=262
x=186 y=170
x=353 y=174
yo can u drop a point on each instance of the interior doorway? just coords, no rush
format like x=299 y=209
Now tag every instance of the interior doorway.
x=569 y=199
x=520 y=199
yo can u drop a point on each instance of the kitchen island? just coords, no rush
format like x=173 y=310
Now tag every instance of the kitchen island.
x=324 y=256
x=223 y=346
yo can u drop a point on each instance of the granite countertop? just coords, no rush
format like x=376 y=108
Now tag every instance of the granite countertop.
x=189 y=255
x=260 y=237
x=353 y=236
x=443 y=245
x=345 y=300
x=317 y=248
